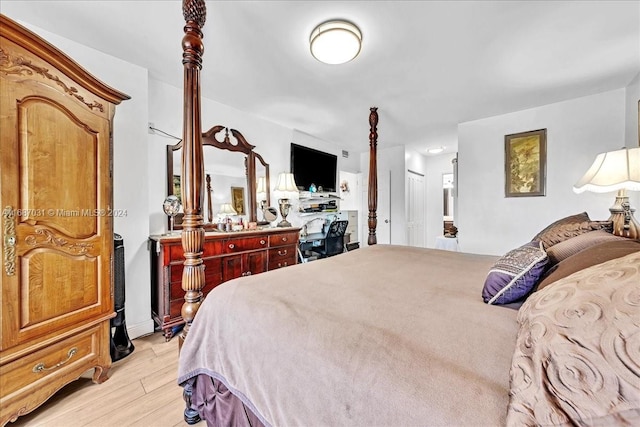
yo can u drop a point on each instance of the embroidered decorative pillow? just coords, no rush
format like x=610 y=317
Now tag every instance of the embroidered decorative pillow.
x=515 y=274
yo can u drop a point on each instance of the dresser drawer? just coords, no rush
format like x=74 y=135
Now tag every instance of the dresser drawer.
x=209 y=248
x=242 y=244
x=212 y=271
x=52 y=360
x=282 y=256
x=283 y=239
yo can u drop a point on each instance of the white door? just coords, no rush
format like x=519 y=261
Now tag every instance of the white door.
x=383 y=229
x=415 y=211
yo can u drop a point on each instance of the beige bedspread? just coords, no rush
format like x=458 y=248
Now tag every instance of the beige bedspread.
x=381 y=336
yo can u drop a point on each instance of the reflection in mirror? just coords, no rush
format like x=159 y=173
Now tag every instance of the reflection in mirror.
x=230 y=171
x=263 y=196
x=447 y=192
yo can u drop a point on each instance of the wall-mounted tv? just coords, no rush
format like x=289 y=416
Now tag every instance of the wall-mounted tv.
x=311 y=166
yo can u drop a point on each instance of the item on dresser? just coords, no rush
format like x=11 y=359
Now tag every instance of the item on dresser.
x=226 y=255
x=171 y=207
x=56 y=287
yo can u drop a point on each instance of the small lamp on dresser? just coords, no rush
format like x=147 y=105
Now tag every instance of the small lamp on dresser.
x=261 y=195
x=616 y=171
x=286 y=188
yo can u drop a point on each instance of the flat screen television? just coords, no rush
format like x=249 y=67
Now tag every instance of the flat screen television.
x=311 y=166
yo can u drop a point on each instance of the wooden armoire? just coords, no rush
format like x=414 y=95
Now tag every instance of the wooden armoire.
x=57 y=234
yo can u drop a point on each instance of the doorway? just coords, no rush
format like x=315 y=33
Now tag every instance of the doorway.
x=415 y=209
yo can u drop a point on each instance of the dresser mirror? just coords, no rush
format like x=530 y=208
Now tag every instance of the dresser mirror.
x=233 y=174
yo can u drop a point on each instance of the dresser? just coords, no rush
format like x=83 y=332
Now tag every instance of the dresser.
x=57 y=209
x=226 y=256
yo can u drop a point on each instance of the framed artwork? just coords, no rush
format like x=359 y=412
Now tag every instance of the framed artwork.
x=237 y=199
x=525 y=163
x=177 y=190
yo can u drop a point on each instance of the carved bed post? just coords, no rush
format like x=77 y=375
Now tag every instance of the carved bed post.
x=194 y=12
x=373 y=175
x=192 y=167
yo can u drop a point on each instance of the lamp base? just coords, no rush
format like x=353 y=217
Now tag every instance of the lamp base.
x=624 y=223
x=284 y=211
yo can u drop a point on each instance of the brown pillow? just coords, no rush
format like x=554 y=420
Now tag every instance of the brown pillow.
x=569 y=227
x=565 y=249
x=593 y=255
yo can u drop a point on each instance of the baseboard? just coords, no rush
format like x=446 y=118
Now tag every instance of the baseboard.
x=140 y=329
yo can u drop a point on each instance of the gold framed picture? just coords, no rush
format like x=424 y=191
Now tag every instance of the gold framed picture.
x=525 y=163
x=237 y=199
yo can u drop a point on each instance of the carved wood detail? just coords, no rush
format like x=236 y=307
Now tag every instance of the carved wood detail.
x=9 y=236
x=21 y=66
x=46 y=237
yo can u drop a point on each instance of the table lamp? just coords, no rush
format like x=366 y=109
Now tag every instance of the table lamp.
x=226 y=210
x=261 y=195
x=616 y=171
x=286 y=187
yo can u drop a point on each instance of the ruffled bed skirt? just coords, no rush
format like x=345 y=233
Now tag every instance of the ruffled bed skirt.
x=218 y=406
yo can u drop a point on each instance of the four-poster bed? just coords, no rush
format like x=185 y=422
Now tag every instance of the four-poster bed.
x=393 y=335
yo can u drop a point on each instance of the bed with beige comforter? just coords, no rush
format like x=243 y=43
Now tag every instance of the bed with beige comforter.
x=392 y=335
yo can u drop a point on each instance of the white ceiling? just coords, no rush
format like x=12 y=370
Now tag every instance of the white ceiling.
x=427 y=65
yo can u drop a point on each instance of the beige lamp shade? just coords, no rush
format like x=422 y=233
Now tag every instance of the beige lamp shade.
x=261 y=188
x=226 y=209
x=612 y=171
x=286 y=183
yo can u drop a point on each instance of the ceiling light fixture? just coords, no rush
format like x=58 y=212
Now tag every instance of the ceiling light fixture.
x=335 y=42
x=436 y=150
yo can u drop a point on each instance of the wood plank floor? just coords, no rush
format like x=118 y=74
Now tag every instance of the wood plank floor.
x=141 y=391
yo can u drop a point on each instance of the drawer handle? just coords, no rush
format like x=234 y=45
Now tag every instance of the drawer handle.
x=284 y=239
x=262 y=242
x=40 y=366
x=282 y=265
x=231 y=246
x=281 y=253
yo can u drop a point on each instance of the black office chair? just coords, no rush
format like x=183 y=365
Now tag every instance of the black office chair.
x=334 y=241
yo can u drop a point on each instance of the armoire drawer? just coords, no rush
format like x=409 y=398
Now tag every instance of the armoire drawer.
x=51 y=360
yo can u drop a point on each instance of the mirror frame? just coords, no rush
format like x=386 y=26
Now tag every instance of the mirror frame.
x=242 y=146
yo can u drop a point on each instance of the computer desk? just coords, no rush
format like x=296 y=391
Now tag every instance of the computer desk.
x=308 y=242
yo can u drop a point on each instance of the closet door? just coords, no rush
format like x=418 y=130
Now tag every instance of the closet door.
x=56 y=201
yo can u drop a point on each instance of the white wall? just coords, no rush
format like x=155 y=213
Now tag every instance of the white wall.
x=129 y=169
x=632 y=100
x=577 y=130
x=632 y=129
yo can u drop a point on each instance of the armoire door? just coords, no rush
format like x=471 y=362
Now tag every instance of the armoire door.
x=55 y=196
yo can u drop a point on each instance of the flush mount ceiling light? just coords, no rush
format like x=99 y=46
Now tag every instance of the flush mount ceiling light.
x=435 y=150
x=335 y=42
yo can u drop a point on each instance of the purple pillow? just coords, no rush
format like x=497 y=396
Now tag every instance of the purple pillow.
x=515 y=274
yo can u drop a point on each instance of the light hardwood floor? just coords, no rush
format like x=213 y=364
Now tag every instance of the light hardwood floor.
x=141 y=391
